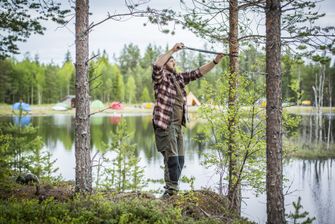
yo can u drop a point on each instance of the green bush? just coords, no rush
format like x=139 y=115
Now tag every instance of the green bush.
x=93 y=209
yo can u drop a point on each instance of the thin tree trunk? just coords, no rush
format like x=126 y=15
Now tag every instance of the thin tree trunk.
x=274 y=175
x=321 y=88
x=39 y=95
x=32 y=95
x=330 y=91
x=316 y=102
x=234 y=190
x=82 y=126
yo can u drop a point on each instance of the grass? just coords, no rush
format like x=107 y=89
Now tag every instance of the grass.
x=309 y=151
x=312 y=154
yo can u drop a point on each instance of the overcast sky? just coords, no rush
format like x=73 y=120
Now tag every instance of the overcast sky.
x=113 y=35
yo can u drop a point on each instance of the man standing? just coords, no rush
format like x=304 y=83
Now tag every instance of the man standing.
x=169 y=112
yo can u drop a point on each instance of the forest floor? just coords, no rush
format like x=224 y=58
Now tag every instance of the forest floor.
x=201 y=206
x=138 y=109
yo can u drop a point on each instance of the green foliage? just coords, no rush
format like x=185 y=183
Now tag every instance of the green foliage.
x=188 y=180
x=123 y=172
x=130 y=58
x=297 y=215
x=24 y=141
x=295 y=87
x=118 y=90
x=94 y=209
x=291 y=123
x=145 y=97
x=20 y=19
x=22 y=152
x=5 y=155
x=250 y=133
x=131 y=90
x=66 y=74
x=38 y=83
x=294 y=22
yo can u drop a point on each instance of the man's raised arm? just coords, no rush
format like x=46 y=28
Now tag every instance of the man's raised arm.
x=207 y=67
x=161 y=60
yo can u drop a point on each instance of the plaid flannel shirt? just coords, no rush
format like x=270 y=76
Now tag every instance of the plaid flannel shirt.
x=166 y=92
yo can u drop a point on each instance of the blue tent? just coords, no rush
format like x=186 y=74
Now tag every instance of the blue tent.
x=21 y=121
x=21 y=106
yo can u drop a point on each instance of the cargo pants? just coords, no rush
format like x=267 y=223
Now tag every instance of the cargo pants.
x=170 y=143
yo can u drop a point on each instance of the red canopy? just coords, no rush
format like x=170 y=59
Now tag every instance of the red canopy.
x=116 y=105
x=115 y=119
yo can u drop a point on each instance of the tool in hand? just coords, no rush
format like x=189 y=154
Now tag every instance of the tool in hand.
x=204 y=51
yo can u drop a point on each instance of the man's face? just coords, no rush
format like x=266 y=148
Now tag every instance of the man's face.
x=171 y=65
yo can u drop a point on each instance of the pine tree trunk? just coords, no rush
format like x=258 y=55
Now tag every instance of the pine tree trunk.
x=234 y=191
x=82 y=126
x=274 y=175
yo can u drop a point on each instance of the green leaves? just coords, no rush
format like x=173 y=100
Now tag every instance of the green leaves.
x=122 y=172
x=20 y=19
x=297 y=215
x=322 y=59
x=249 y=133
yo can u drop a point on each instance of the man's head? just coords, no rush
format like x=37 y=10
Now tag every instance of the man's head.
x=170 y=65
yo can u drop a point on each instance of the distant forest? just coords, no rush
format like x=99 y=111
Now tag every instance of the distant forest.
x=127 y=78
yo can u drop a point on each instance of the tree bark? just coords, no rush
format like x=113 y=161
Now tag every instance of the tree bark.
x=274 y=175
x=82 y=126
x=234 y=190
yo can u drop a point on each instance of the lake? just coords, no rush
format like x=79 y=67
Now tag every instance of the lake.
x=312 y=180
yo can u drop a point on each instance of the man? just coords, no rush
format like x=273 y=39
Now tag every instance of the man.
x=169 y=112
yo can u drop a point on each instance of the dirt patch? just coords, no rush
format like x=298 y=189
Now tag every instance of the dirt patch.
x=60 y=192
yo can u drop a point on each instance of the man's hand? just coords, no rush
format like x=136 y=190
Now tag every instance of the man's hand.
x=177 y=47
x=218 y=58
x=161 y=60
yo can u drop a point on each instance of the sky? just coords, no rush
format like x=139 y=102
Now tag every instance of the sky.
x=113 y=35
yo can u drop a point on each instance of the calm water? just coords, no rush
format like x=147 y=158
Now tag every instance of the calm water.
x=313 y=180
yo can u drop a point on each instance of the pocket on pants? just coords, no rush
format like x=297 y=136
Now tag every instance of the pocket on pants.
x=162 y=139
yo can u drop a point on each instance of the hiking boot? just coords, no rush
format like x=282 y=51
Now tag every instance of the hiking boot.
x=168 y=193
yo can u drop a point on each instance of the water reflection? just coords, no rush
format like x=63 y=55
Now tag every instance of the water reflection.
x=21 y=120
x=313 y=180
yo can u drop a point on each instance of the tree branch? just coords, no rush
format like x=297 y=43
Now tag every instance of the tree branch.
x=251 y=4
x=90 y=59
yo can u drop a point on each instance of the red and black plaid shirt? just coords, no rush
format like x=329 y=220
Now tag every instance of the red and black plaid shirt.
x=166 y=92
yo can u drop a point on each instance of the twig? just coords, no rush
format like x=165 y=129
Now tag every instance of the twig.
x=94 y=56
x=96 y=86
x=95 y=77
x=98 y=111
x=206 y=214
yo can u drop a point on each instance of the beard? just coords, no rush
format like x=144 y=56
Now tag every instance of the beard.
x=170 y=69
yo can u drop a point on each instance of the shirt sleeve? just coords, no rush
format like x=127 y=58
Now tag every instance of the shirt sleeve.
x=191 y=76
x=157 y=73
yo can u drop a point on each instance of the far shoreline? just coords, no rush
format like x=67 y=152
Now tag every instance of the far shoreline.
x=136 y=109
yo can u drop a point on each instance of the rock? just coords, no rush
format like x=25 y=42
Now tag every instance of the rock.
x=27 y=179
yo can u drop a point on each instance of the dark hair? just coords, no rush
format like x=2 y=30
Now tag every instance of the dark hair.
x=169 y=59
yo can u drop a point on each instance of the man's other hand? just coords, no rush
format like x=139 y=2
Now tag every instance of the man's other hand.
x=177 y=47
x=218 y=58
